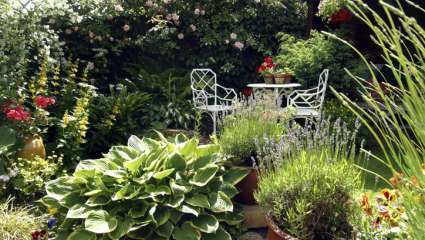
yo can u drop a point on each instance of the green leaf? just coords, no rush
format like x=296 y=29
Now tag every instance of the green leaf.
x=143 y=232
x=206 y=223
x=189 y=210
x=220 y=202
x=124 y=226
x=187 y=148
x=235 y=175
x=186 y=232
x=198 y=200
x=165 y=230
x=78 y=211
x=116 y=173
x=230 y=190
x=175 y=201
x=163 y=174
x=71 y=199
x=175 y=161
x=81 y=234
x=179 y=189
x=161 y=216
x=100 y=222
x=221 y=234
x=204 y=175
x=60 y=187
x=203 y=161
x=99 y=200
x=135 y=164
x=154 y=191
x=138 y=209
x=205 y=150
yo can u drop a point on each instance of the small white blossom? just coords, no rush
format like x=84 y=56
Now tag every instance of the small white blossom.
x=175 y=17
x=68 y=31
x=111 y=39
x=90 y=66
x=76 y=29
x=126 y=28
x=257 y=1
x=180 y=36
x=197 y=11
x=233 y=36
x=119 y=8
x=91 y=34
x=193 y=27
x=239 y=45
x=227 y=41
x=4 y=178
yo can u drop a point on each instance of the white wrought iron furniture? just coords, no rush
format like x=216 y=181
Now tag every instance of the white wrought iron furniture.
x=308 y=103
x=209 y=96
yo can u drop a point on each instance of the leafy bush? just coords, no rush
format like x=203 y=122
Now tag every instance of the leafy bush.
x=334 y=110
x=249 y=125
x=17 y=223
x=308 y=180
x=327 y=8
x=308 y=57
x=153 y=189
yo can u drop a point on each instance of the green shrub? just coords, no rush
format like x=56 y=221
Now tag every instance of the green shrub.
x=149 y=189
x=17 y=223
x=248 y=126
x=308 y=57
x=308 y=180
x=310 y=196
x=334 y=109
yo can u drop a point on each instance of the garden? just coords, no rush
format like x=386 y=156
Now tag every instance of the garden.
x=212 y=120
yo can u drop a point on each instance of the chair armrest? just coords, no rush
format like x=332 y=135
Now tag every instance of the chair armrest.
x=230 y=94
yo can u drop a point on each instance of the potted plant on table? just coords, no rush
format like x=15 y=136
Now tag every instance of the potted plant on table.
x=266 y=69
x=283 y=75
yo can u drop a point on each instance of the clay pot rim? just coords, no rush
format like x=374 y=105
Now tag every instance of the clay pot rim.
x=276 y=229
x=283 y=74
x=268 y=75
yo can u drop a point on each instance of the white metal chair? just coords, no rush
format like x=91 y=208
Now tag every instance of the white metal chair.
x=210 y=97
x=308 y=103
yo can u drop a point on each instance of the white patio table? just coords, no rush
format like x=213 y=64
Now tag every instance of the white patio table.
x=280 y=90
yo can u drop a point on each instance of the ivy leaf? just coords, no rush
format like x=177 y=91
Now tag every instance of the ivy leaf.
x=204 y=175
x=100 y=222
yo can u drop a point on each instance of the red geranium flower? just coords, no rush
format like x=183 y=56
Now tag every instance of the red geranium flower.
x=44 y=102
x=38 y=235
x=268 y=60
x=247 y=92
x=17 y=113
x=341 y=16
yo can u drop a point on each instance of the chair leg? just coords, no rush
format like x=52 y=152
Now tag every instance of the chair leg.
x=214 y=118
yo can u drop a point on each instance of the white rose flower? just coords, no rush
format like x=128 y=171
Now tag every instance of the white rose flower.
x=197 y=11
x=227 y=41
x=126 y=28
x=233 y=36
x=239 y=45
x=180 y=36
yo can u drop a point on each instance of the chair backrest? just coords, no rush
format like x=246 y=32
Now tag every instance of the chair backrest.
x=203 y=82
x=321 y=88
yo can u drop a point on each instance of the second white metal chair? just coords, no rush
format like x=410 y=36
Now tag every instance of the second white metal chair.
x=209 y=96
x=308 y=103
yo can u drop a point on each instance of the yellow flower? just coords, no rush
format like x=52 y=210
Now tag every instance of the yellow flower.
x=52 y=211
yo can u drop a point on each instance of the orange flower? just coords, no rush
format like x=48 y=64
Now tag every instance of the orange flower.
x=415 y=181
x=388 y=195
x=365 y=205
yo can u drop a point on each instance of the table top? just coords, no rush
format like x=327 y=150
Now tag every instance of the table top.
x=266 y=85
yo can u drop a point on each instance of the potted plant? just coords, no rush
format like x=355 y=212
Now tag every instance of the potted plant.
x=283 y=75
x=307 y=186
x=266 y=70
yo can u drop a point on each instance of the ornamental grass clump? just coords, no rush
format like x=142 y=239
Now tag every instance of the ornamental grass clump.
x=251 y=123
x=17 y=223
x=308 y=180
x=149 y=189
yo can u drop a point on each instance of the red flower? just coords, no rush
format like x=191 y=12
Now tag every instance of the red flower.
x=247 y=92
x=341 y=16
x=38 y=235
x=268 y=60
x=44 y=102
x=17 y=114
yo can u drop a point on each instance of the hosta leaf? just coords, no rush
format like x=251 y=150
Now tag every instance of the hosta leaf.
x=203 y=161
x=161 y=216
x=235 y=175
x=206 y=223
x=179 y=189
x=187 y=148
x=198 y=200
x=220 y=202
x=175 y=216
x=81 y=234
x=78 y=211
x=163 y=174
x=180 y=139
x=116 y=173
x=138 y=209
x=205 y=150
x=204 y=175
x=144 y=178
x=100 y=222
x=124 y=226
x=186 y=232
x=231 y=218
x=71 y=199
x=157 y=190
x=93 y=192
x=165 y=230
x=221 y=234
x=175 y=161
x=138 y=144
x=175 y=201
x=129 y=191
x=85 y=173
x=190 y=210
x=229 y=190
x=141 y=233
x=99 y=200
x=121 y=154
x=135 y=164
x=60 y=187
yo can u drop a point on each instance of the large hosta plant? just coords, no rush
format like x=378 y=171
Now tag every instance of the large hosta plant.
x=148 y=190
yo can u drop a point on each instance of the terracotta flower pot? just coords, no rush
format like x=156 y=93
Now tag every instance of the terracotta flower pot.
x=33 y=146
x=275 y=233
x=282 y=78
x=268 y=78
x=247 y=187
